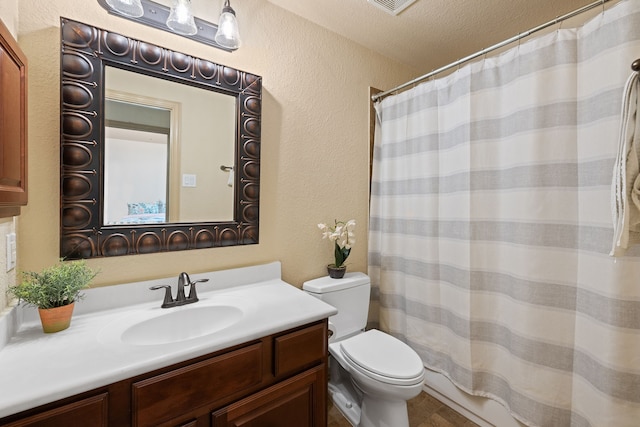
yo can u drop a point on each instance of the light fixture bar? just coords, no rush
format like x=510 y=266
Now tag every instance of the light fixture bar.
x=155 y=15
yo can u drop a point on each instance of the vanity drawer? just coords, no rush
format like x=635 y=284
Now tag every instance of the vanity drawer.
x=300 y=349
x=165 y=396
x=89 y=411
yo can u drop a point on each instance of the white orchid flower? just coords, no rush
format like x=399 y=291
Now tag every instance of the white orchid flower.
x=343 y=236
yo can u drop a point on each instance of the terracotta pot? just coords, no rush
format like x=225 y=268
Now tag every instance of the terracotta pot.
x=56 y=319
x=336 y=272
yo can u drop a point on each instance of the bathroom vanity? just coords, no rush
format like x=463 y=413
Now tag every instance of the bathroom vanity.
x=267 y=366
x=278 y=377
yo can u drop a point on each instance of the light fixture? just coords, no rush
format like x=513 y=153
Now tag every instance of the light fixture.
x=181 y=19
x=228 y=35
x=131 y=8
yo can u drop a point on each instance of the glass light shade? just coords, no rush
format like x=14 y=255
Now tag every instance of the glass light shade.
x=180 y=18
x=228 y=34
x=132 y=8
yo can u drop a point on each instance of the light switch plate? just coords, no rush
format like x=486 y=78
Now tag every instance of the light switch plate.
x=11 y=251
x=188 y=180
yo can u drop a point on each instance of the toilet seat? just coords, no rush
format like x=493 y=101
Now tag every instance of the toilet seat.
x=383 y=357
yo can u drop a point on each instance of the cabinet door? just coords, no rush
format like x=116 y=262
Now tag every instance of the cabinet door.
x=13 y=125
x=299 y=401
x=91 y=411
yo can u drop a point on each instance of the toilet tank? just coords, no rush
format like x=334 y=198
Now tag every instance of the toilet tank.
x=350 y=295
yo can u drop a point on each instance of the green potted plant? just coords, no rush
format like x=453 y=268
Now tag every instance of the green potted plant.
x=343 y=238
x=54 y=292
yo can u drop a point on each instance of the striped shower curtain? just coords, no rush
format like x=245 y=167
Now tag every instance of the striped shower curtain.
x=490 y=227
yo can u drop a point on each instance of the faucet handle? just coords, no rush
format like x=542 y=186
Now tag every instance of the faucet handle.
x=168 y=299
x=193 y=297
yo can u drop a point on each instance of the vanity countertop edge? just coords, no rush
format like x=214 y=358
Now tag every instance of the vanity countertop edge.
x=38 y=368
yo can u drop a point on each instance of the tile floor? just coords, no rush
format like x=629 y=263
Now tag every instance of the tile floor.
x=424 y=411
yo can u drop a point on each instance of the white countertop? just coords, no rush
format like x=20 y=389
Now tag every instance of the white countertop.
x=38 y=368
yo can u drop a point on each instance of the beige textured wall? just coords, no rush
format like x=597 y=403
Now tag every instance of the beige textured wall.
x=314 y=137
x=9 y=16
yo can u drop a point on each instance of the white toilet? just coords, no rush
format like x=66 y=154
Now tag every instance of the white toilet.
x=375 y=373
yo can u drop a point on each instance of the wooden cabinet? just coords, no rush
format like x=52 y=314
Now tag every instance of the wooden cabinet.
x=278 y=380
x=162 y=397
x=89 y=411
x=298 y=401
x=298 y=349
x=13 y=125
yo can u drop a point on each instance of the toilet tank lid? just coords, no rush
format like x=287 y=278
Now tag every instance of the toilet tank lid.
x=326 y=284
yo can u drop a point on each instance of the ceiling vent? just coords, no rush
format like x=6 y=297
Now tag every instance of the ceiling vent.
x=392 y=7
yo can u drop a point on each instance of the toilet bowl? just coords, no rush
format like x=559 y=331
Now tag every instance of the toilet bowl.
x=372 y=374
x=387 y=373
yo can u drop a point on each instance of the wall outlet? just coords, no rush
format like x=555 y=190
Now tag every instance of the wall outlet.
x=11 y=251
x=188 y=180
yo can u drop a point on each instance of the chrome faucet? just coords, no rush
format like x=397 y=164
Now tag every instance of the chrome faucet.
x=181 y=299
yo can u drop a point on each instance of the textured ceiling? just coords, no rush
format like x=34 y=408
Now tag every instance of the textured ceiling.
x=430 y=33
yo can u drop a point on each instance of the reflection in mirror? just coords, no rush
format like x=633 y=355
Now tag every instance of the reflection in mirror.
x=206 y=172
x=200 y=136
x=135 y=168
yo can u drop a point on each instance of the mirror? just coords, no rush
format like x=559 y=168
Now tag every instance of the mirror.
x=160 y=150
x=165 y=136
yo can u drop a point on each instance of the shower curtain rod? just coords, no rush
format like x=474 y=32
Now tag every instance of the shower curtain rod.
x=520 y=36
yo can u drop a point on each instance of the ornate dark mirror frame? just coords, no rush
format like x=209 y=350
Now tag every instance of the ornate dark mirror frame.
x=85 y=51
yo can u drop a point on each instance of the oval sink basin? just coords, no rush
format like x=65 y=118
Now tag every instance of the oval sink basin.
x=183 y=324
